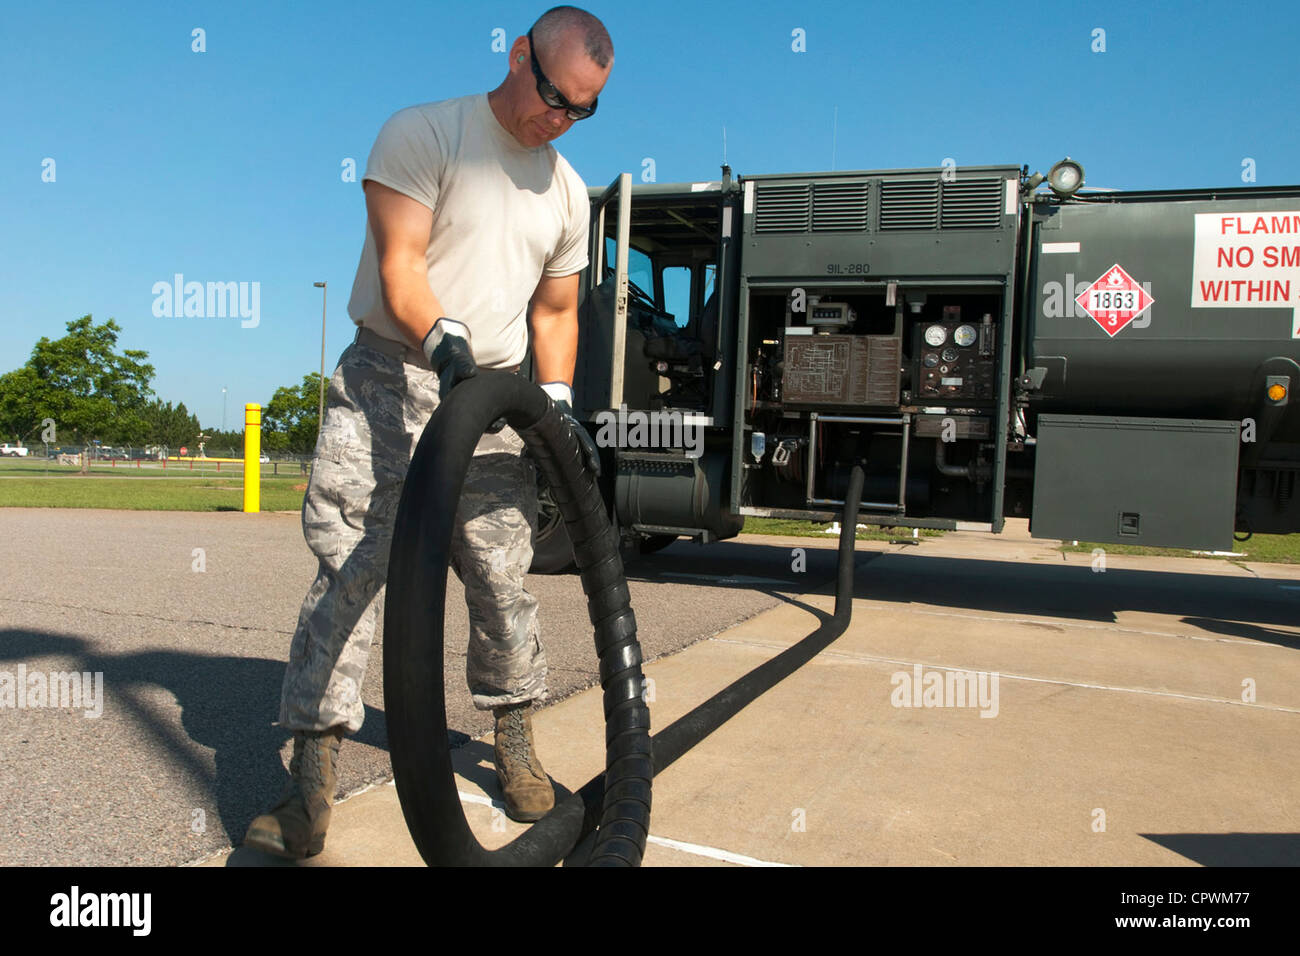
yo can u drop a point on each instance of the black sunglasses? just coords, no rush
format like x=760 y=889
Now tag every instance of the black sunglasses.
x=551 y=96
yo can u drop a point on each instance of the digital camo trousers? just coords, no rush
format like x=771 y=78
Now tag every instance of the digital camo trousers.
x=377 y=409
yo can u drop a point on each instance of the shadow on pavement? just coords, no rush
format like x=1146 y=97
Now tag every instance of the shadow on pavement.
x=1233 y=849
x=1212 y=602
x=228 y=704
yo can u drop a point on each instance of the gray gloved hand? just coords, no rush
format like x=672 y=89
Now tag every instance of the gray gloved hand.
x=561 y=394
x=448 y=351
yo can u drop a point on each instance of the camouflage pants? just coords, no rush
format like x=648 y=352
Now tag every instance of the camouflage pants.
x=378 y=406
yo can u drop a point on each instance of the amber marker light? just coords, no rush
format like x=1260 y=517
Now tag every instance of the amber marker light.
x=1277 y=392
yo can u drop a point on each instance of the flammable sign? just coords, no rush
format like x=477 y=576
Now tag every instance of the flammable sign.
x=1114 y=300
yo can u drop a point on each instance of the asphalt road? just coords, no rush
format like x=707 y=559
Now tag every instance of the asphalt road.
x=186 y=751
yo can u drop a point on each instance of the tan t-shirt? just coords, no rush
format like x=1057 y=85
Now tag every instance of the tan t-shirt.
x=504 y=215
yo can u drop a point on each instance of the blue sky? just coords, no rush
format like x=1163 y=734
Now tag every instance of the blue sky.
x=226 y=165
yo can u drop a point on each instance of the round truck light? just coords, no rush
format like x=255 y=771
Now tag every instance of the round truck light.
x=1065 y=177
x=1277 y=392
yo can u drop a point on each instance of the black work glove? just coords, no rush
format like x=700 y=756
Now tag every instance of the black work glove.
x=447 y=349
x=562 y=396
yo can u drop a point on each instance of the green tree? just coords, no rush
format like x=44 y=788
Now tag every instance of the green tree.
x=165 y=425
x=289 y=420
x=82 y=383
x=20 y=410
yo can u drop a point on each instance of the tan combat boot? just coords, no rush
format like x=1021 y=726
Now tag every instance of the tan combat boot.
x=295 y=827
x=528 y=790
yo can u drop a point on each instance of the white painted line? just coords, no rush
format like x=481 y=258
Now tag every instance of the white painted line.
x=713 y=853
x=1070 y=625
x=870 y=659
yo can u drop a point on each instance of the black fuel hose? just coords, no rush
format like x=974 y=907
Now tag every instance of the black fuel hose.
x=413 y=638
x=687 y=731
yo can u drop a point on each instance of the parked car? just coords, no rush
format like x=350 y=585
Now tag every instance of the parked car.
x=14 y=451
x=265 y=459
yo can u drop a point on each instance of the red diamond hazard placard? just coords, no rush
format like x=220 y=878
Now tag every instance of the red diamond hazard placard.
x=1114 y=300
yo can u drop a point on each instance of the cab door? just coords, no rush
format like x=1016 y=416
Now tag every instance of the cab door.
x=602 y=319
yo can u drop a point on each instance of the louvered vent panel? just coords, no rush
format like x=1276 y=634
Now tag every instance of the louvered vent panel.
x=839 y=207
x=972 y=204
x=909 y=204
x=782 y=207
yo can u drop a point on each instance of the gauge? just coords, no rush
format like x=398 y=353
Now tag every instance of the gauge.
x=930 y=360
x=950 y=354
x=964 y=336
x=936 y=335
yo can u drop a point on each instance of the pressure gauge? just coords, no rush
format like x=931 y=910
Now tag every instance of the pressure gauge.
x=936 y=335
x=965 y=335
x=930 y=360
x=950 y=354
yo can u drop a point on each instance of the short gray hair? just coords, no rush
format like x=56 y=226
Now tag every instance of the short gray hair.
x=556 y=22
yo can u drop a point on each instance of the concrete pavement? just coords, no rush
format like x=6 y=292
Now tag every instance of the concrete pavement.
x=1141 y=715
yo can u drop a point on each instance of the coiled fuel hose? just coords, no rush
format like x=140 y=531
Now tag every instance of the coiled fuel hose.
x=618 y=802
x=413 y=638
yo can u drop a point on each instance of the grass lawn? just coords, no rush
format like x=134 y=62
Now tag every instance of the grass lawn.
x=149 y=494
x=1272 y=548
x=789 y=527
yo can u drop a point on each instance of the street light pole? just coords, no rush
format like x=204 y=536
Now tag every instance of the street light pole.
x=320 y=411
x=223 y=408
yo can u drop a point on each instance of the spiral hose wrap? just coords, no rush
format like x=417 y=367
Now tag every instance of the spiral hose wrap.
x=413 y=627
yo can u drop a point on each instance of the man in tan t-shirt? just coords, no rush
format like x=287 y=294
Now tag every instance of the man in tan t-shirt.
x=477 y=230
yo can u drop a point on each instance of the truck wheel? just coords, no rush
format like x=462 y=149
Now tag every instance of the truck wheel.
x=552 y=547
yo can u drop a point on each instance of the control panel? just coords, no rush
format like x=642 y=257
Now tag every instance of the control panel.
x=955 y=358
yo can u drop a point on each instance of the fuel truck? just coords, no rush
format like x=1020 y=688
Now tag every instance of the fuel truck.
x=1116 y=366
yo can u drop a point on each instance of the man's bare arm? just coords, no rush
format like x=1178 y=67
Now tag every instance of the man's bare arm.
x=401 y=228
x=554 y=321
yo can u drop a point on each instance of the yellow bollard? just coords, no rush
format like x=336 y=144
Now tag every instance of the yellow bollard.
x=252 y=456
